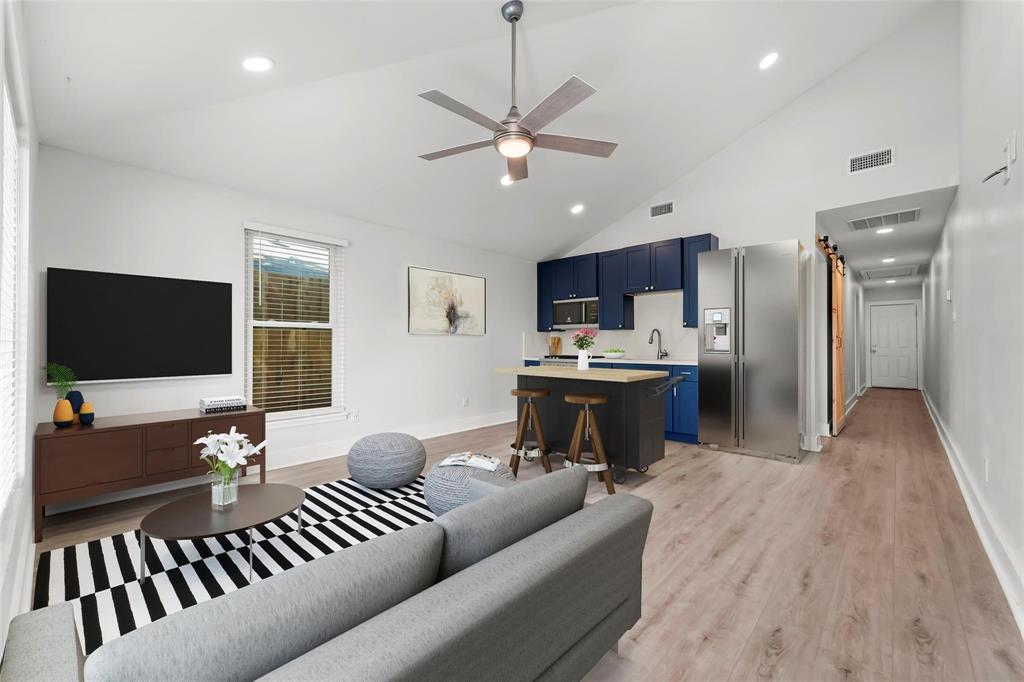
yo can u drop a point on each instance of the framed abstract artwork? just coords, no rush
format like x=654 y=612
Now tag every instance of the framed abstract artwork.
x=447 y=303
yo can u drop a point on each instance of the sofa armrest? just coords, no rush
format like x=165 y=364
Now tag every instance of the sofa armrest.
x=43 y=645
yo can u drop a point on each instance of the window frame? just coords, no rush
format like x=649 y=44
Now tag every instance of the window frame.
x=337 y=245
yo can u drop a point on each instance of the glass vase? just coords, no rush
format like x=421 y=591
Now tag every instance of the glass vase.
x=224 y=492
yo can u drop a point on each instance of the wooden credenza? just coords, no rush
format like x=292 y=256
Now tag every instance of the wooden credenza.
x=131 y=451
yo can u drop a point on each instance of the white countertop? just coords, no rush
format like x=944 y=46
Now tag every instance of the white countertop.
x=625 y=361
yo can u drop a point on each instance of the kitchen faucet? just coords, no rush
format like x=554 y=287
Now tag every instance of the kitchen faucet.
x=662 y=353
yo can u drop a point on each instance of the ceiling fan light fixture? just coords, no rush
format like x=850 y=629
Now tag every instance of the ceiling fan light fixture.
x=514 y=145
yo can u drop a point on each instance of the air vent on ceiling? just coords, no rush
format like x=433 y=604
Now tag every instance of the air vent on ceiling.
x=876 y=159
x=910 y=215
x=661 y=209
x=897 y=272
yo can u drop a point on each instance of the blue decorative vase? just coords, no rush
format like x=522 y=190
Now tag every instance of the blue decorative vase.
x=76 y=400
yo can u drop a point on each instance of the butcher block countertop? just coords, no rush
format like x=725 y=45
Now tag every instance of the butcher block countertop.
x=623 y=376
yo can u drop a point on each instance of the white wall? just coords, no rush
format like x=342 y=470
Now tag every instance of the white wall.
x=892 y=293
x=853 y=337
x=974 y=376
x=97 y=215
x=769 y=183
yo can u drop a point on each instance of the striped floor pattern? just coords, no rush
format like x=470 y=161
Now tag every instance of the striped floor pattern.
x=100 y=577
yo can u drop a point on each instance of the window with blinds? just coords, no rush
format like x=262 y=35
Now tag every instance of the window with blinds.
x=11 y=408
x=293 y=323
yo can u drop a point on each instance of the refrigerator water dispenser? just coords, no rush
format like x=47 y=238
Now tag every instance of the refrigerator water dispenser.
x=717 y=330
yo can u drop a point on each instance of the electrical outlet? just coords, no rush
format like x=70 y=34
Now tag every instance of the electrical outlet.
x=949 y=295
x=465 y=401
x=353 y=416
x=954 y=315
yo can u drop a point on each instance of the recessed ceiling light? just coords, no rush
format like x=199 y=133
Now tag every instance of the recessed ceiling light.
x=888 y=260
x=768 y=60
x=883 y=230
x=506 y=180
x=890 y=281
x=577 y=209
x=257 y=64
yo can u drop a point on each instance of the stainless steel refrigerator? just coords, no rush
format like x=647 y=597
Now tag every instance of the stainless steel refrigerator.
x=750 y=349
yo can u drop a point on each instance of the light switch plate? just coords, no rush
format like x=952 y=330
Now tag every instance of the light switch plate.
x=949 y=295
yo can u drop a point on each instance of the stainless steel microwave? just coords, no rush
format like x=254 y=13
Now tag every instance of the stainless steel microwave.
x=576 y=312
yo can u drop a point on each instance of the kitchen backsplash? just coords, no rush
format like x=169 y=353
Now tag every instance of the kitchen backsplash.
x=661 y=310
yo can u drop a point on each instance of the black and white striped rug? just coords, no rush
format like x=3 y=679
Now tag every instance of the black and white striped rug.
x=100 y=577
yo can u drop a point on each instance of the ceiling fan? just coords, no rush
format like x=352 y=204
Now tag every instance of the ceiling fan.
x=516 y=136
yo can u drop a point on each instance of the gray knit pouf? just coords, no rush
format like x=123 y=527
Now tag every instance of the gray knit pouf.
x=448 y=487
x=386 y=460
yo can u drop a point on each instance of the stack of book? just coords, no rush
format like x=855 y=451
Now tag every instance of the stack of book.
x=231 y=403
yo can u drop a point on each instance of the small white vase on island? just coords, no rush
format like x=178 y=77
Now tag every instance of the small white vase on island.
x=583 y=360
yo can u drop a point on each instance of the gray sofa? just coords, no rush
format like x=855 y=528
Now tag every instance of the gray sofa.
x=525 y=584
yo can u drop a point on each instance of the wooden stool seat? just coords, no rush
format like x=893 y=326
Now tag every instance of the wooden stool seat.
x=587 y=429
x=531 y=392
x=586 y=399
x=529 y=420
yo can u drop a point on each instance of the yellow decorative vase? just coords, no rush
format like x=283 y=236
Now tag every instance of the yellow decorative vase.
x=86 y=415
x=63 y=414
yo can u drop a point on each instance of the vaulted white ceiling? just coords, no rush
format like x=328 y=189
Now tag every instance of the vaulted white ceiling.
x=337 y=125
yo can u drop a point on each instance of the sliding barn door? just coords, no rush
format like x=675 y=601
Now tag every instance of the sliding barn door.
x=837 y=368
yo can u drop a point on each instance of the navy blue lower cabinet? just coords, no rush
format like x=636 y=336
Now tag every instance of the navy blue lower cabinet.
x=685 y=408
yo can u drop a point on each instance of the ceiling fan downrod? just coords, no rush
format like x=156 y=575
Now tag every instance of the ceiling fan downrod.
x=512 y=11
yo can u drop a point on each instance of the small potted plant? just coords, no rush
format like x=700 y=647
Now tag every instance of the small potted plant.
x=583 y=339
x=224 y=453
x=63 y=380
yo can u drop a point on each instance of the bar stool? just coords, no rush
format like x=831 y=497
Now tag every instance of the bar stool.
x=529 y=420
x=587 y=429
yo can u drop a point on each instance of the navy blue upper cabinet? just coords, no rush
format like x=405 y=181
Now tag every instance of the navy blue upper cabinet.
x=638 y=268
x=564 y=279
x=616 y=309
x=667 y=265
x=545 y=295
x=575 y=277
x=585 y=276
x=691 y=247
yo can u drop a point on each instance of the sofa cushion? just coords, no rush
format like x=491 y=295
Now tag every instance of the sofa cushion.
x=43 y=645
x=552 y=599
x=481 y=528
x=248 y=633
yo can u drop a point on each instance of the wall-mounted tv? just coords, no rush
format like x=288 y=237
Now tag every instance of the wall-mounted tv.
x=109 y=327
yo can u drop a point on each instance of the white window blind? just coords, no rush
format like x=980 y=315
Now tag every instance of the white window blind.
x=293 y=323
x=10 y=407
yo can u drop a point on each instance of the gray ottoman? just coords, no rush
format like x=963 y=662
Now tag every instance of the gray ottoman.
x=386 y=460
x=449 y=487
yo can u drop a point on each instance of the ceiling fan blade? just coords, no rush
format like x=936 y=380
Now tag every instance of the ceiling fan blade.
x=517 y=168
x=576 y=145
x=568 y=95
x=452 y=151
x=457 y=107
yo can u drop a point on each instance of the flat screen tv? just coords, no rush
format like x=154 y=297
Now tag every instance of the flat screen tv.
x=109 y=327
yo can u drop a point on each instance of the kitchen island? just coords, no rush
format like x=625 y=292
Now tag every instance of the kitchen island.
x=632 y=422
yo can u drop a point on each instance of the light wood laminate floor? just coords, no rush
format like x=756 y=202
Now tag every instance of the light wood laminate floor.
x=860 y=563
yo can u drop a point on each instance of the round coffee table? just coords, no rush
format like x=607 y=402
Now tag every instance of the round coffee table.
x=194 y=517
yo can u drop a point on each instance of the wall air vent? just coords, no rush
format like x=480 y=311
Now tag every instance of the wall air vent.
x=661 y=209
x=910 y=215
x=876 y=159
x=898 y=272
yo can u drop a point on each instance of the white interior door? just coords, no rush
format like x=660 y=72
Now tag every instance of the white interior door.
x=894 y=345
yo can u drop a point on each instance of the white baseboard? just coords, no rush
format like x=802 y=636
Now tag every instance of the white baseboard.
x=850 y=402
x=996 y=547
